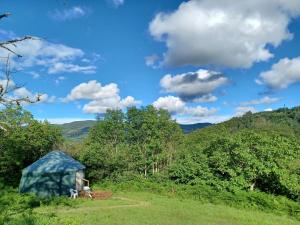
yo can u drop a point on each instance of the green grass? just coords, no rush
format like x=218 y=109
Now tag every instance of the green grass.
x=130 y=208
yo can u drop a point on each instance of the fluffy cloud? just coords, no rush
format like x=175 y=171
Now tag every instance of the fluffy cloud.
x=103 y=97
x=241 y=110
x=282 y=74
x=55 y=58
x=241 y=31
x=179 y=109
x=129 y=101
x=93 y=90
x=22 y=93
x=7 y=84
x=170 y=103
x=15 y=92
x=264 y=100
x=194 y=86
x=69 y=14
x=25 y=93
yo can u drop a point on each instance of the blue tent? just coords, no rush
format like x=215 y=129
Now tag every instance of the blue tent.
x=52 y=175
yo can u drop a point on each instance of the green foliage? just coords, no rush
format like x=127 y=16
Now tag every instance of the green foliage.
x=24 y=142
x=283 y=121
x=19 y=209
x=244 y=160
x=245 y=153
x=142 y=141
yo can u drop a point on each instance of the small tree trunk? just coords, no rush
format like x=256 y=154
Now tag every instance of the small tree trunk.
x=145 y=170
x=252 y=186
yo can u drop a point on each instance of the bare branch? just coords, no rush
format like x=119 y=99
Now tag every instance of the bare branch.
x=14 y=42
x=4 y=126
x=8 y=88
x=4 y=15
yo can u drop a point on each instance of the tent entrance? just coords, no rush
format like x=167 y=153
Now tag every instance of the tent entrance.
x=79 y=180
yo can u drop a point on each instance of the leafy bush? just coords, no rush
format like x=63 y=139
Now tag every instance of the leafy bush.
x=18 y=209
x=242 y=161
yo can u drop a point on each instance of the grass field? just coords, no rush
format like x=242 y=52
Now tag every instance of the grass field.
x=143 y=208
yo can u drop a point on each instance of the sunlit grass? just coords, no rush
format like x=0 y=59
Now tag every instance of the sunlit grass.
x=146 y=208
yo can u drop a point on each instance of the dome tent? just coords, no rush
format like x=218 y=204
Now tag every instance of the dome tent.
x=52 y=175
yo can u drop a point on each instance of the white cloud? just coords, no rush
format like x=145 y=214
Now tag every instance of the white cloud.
x=93 y=90
x=69 y=14
x=129 y=101
x=22 y=93
x=282 y=74
x=170 y=103
x=7 y=84
x=206 y=119
x=241 y=110
x=151 y=60
x=103 y=97
x=206 y=98
x=60 y=67
x=218 y=32
x=194 y=86
x=116 y=3
x=55 y=58
x=199 y=111
x=264 y=100
x=25 y=93
x=181 y=111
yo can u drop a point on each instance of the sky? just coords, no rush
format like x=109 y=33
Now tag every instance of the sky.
x=202 y=60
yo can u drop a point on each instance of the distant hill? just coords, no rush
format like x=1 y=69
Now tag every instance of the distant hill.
x=188 y=128
x=283 y=121
x=79 y=129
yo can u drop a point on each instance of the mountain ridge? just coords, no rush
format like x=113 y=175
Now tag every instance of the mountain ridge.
x=79 y=129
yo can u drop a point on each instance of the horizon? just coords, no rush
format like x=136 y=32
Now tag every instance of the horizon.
x=93 y=56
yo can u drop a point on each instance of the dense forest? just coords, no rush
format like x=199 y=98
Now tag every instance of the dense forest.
x=254 y=152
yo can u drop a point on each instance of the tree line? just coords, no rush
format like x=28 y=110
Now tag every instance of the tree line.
x=247 y=153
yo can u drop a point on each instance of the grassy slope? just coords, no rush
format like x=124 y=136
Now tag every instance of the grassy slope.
x=144 y=208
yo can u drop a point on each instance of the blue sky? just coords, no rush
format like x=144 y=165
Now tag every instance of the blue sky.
x=203 y=61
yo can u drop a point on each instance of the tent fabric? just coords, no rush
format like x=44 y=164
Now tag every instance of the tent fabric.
x=54 y=162
x=52 y=175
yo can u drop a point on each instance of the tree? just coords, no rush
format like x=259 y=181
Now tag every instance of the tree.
x=7 y=86
x=248 y=160
x=26 y=141
x=105 y=151
x=141 y=141
x=153 y=135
